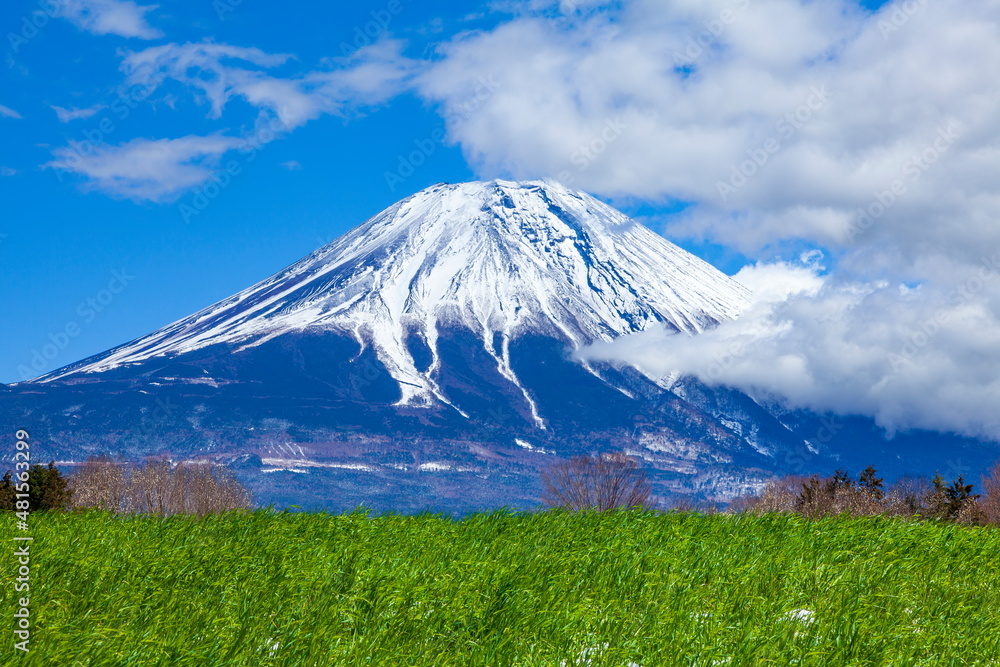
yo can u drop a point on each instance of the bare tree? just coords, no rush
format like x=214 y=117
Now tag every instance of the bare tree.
x=150 y=488
x=99 y=482
x=908 y=496
x=208 y=489
x=158 y=487
x=603 y=482
x=989 y=503
x=778 y=495
x=818 y=496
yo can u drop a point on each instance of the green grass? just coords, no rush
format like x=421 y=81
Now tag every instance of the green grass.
x=502 y=589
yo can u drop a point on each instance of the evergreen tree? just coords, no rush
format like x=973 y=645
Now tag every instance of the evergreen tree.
x=7 y=492
x=936 y=505
x=47 y=489
x=816 y=498
x=871 y=483
x=958 y=495
x=840 y=481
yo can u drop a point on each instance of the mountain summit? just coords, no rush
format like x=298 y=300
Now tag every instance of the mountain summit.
x=498 y=258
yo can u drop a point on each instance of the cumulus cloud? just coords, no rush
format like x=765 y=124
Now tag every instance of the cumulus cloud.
x=7 y=112
x=108 y=17
x=777 y=119
x=145 y=169
x=911 y=357
x=872 y=135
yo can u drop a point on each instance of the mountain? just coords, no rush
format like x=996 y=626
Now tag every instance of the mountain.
x=498 y=259
x=424 y=360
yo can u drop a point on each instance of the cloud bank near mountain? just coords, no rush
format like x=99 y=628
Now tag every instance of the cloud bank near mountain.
x=870 y=135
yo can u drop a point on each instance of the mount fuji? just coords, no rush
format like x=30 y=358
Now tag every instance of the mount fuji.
x=425 y=360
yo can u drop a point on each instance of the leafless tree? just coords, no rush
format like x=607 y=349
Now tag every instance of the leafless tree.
x=989 y=503
x=778 y=495
x=158 y=487
x=908 y=496
x=603 y=482
x=99 y=482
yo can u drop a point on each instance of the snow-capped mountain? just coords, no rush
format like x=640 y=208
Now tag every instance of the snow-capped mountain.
x=498 y=258
x=424 y=360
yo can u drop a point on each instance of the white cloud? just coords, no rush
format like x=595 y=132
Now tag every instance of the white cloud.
x=699 y=89
x=8 y=171
x=292 y=165
x=216 y=71
x=220 y=72
x=7 y=112
x=144 y=169
x=68 y=115
x=875 y=136
x=161 y=170
x=109 y=17
x=922 y=357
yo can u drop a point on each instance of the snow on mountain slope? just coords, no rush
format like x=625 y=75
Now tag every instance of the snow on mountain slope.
x=497 y=257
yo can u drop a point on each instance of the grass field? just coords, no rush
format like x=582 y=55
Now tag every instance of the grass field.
x=500 y=589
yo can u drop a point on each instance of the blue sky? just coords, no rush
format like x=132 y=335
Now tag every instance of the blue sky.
x=62 y=243
x=834 y=155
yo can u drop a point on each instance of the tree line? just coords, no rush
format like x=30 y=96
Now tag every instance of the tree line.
x=918 y=497
x=598 y=482
x=616 y=481
x=157 y=486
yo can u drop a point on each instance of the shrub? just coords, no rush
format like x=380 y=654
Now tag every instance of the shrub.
x=908 y=496
x=778 y=495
